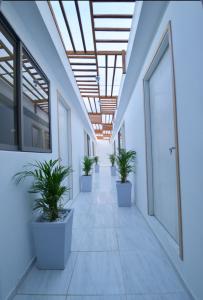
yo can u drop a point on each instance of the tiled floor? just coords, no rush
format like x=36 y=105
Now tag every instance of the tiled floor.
x=114 y=256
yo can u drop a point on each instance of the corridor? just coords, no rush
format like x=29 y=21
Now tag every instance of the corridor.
x=114 y=255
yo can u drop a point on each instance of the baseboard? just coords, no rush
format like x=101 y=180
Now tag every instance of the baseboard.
x=12 y=294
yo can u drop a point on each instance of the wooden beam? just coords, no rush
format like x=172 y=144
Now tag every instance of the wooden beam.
x=6 y=58
x=82 y=64
x=124 y=61
x=86 y=76
x=90 y=104
x=80 y=24
x=113 y=16
x=112 y=29
x=84 y=70
x=106 y=74
x=67 y=24
x=87 y=85
x=82 y=56
x=108 y=97
x=111 y=41
x=113 y=77
x=100 y=52
x=86 y=81
x=94 y=36
x=88 y=89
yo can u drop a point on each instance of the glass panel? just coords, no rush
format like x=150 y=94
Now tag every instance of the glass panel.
x=8 y=110
x=35 y=105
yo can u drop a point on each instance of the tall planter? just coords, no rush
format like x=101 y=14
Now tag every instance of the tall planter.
x=113 y=170
x=52 y=242
x=124 y=193
x=86 y=183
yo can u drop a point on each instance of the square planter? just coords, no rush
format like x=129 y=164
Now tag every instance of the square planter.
x=124 y=193
x=96 y=168
x=86 y=183
x=113 y=171
x=52 y=242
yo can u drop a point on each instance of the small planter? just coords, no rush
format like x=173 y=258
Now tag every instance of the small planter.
x=113 y=170
x=53 y=242
x=86 y=183
x=96 y=168
x=124 y=193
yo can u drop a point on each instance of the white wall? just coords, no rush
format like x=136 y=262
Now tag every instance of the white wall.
x=187 y=28
x=16 y=250
x=103 y=149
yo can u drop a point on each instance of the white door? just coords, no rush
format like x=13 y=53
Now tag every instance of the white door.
x=64 y=140
x=163 y=146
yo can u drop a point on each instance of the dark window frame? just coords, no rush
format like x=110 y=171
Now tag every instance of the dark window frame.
x=19 y=48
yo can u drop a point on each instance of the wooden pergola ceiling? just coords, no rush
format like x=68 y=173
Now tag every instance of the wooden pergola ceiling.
x=95 y=36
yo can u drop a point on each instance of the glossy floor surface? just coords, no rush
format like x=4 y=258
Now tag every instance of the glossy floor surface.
x=114 y=255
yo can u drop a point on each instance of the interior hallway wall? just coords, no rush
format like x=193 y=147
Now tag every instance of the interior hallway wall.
x=103 y=149
x=187 y=24
x=15 y=203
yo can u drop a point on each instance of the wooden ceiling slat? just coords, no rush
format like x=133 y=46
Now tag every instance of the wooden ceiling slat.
x=94 y=36
x=90 y=104
x=106 y=75
x=113 y=77
x=67 y=24
x=111 y=41
x=82 y=56
x=113 y=16
x=80 y=24
x=99 y=52
x=84 y=70
x=112 y=29
x=82 y=64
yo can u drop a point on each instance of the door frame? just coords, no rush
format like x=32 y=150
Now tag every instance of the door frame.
x=61 y=100
x=165 y=43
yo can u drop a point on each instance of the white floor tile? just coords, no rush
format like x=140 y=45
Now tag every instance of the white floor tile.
x=39 y=297
x=146 y=273
x=97 y=273
x=171 y=296
x=115 y=255
x=48 y=281
x=106 y=297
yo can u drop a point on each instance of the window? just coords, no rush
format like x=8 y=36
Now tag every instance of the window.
x=8 y=107
x=24 y=97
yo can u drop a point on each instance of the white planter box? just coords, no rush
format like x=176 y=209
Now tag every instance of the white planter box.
x=96 y=168
x=124 y=193
x=52 y=242
x=86 y=183
x=113 y=171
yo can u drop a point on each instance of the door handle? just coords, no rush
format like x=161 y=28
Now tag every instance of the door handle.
x=171 y=149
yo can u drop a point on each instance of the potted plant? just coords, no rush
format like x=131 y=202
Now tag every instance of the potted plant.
x=86 y=179
x=125 y=161
x=96 y=159
x=112 y=158
x=52 y=229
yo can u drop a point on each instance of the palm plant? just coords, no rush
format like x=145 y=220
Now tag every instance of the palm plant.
x=87 y=165
x=48 y=178
x=125 y=160
x=112 y=158
x=96 y=159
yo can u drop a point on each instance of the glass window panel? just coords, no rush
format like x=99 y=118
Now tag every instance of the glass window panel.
x=35 y=105
x=8 y=108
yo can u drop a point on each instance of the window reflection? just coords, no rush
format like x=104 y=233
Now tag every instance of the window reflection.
x=8 y=111
x=35 y=105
